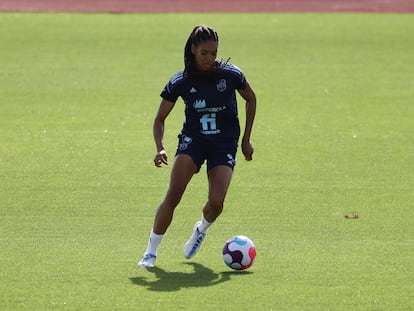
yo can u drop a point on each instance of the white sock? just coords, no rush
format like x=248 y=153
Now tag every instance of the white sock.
x=154 y=243
x=204 y=225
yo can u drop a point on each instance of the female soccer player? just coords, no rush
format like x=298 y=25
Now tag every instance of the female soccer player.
x=210 y=133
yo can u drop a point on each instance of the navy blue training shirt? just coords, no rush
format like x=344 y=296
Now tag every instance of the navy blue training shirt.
x=210 y=107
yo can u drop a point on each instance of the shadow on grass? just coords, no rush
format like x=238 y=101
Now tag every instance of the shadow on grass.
x=174 y=281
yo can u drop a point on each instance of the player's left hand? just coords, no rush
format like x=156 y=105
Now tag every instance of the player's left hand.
x=248 y=150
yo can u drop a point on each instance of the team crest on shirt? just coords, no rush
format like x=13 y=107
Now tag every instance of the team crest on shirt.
x=221 y=85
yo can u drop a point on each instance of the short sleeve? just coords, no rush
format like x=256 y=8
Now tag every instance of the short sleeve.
x=238 y=75
x=242 y=81
x=171 y=91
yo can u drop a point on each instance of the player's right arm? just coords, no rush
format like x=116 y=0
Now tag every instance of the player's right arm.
x=158 y=131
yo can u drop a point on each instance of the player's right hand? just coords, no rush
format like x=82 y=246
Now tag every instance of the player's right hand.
x=161 y=158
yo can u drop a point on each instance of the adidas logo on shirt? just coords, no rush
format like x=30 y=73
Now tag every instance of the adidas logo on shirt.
x=193 y=90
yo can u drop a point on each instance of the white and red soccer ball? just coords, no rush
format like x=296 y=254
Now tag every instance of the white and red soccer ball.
x=239 y=252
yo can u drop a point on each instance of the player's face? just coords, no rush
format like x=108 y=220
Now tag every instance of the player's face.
x=205 y=54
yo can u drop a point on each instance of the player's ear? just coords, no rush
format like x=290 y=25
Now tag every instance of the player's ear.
x=193 y=48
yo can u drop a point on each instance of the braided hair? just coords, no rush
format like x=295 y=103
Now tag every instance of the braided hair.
x=201 y=33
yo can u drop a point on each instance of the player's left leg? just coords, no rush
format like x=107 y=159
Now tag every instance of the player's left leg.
x=219 y=179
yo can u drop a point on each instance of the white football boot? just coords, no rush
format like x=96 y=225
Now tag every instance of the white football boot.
x=147 y=261
x=193 y=244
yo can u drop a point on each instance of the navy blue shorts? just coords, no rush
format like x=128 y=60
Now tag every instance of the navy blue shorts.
x=215 y=153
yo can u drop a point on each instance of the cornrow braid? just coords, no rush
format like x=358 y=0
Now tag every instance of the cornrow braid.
x=199 y=34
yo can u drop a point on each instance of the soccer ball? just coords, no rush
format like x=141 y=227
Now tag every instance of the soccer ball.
x=239 y=252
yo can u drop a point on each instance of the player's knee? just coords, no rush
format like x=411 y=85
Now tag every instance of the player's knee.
x=173 y=197
x=216 y=204
x=172 y=202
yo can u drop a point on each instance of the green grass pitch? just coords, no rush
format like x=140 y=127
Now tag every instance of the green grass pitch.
x=333 y=136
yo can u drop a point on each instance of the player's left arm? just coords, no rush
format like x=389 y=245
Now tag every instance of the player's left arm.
x=250 y=97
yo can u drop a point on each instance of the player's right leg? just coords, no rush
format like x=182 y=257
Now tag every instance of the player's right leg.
x=181 y=174
x=183 y=170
